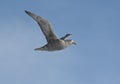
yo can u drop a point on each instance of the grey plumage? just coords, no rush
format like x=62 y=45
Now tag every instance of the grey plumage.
x=53 y=42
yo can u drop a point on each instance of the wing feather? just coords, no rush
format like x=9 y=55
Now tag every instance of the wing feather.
x=44 y=25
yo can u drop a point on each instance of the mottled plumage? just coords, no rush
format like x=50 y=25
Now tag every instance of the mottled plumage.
x=53 y=42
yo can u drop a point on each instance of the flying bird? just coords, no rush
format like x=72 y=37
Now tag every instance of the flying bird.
x=53 y=42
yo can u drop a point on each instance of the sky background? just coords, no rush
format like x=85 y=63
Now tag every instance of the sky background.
x=94 y=25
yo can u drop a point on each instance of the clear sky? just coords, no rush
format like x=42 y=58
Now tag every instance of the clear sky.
x=94 y=25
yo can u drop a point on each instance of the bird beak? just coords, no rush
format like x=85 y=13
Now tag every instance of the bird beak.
x=74 y=43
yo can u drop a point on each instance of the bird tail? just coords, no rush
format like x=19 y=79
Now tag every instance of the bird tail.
x=39 y=49
x=36 y=49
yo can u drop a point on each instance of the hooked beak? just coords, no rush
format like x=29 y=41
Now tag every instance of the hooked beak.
x=74 y=43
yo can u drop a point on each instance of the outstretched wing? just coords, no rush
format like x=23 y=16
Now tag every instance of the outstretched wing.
x=64 y=37
x=44 y=25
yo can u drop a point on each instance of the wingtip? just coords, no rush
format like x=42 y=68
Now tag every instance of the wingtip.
x=68 y=34
x=26 y=11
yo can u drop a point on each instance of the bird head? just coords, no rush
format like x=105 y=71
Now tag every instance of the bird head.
x=73 y=42
x=69 y=42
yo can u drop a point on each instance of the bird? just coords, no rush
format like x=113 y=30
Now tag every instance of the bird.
x=53 y=42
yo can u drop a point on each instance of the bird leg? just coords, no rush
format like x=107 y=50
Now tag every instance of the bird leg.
x=64 y=37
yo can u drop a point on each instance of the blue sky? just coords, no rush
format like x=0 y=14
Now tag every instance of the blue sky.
x=95 y=27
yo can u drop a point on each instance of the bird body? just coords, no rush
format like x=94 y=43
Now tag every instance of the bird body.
x=53 y=42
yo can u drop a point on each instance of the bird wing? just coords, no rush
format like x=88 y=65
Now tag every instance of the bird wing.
x=64 y=37
x=44 y=25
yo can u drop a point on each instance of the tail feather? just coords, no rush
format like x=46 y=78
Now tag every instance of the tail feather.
x=39 y=49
